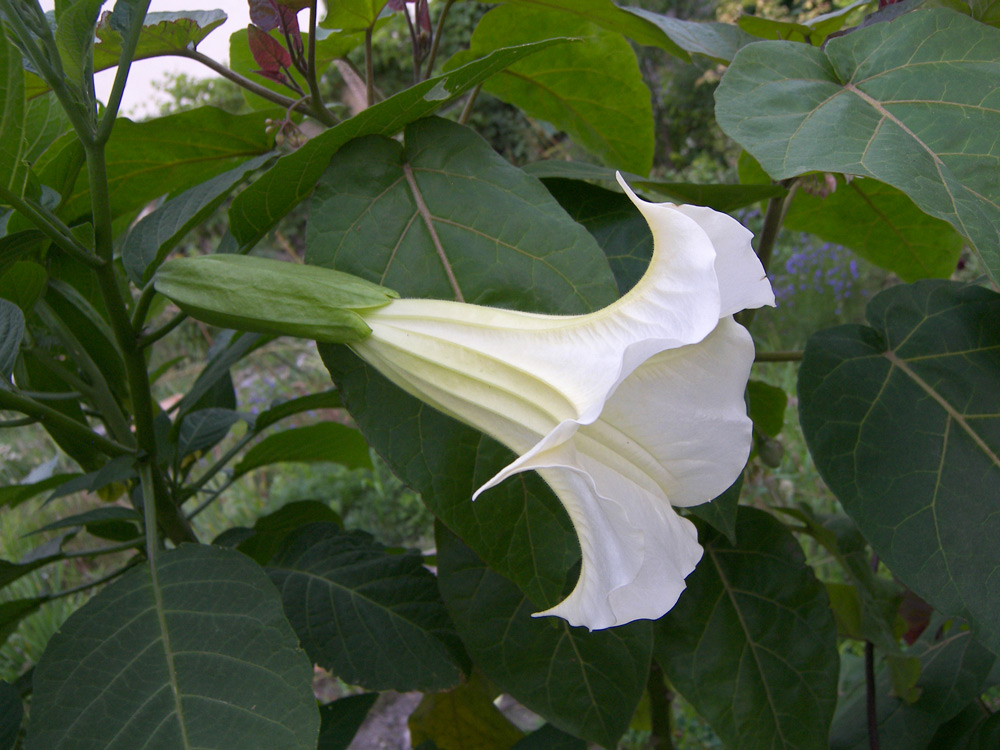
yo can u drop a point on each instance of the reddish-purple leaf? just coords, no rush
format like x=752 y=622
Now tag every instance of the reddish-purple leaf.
x=396 y=5
x=423 y=16
x=264 y=14
x=267 y=52
x=277 y=76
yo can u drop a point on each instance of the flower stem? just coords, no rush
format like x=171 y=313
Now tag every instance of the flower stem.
x=467 y=109
x=660 y=710
x=369 y=68
x=779 y=356
x=773 y=218
x=437 y=38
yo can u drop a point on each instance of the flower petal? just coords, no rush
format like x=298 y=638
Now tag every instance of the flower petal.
x=673 y=433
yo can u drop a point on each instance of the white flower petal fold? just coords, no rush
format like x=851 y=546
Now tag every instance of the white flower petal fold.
x=627 y=412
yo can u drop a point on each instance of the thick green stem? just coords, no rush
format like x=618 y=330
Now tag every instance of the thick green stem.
x=155 y=335
x=135 y=364
x=660 y=710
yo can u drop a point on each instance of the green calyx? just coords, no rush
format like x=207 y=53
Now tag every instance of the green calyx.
x=270 y=296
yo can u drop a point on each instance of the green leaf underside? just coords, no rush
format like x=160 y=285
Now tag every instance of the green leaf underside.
x=389 y=214
x=751 y=643
x=872 y=103
x=718 y=41
x=260 y=206
x=13 y=136
x=592 y=681
x=953 y=671
x=592 y=89
x=903 y=420
x=196 y=655
x=374 y=619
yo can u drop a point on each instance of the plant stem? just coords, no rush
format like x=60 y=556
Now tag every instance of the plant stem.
x=155 y=335
x=437 y=38
x=90 y=584
x=660 y=709
x=135 y=364
x=130 y=41
x=467 y=109
x=149 y=511
x=211 y=498
x=51 y=418
x=778 y=356
x=369 y=68
x=316 y=99
x=95 y=551
x=773 y=218
x=205 y=478
x=871 y=708
x=51 y=226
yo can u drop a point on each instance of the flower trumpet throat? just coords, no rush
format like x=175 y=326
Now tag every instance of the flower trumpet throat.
x=627 y=412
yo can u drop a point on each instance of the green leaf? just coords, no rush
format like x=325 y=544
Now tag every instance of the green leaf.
x=326 y=441
x=463 y=719
x=585 y=683
x=549 y=738
x=721 y=512
x=167 y=155
x=720 y=197
x=13 y=495
x=11 y=332
x=901 y=102
x=987 y=734
x=116 y=470
x=270 y=531
x=157 y=233
x=752 y=643
x=15 y=610
x=341 y=720
x=193 y=653
x=373 y=618
x=353 y=15
x=606 y=14
x=23 y=283
x=43 y=554
x=227 y=349
x=161 y=33
x=74 y=37
x=204 y=428
x=13 y=134
x=718 y=41
x=901 y=419
x=95 y=515
x=555 y=266
x=813 y=31
x=392 y=214
x=11 y=712
x=323 y=400
x=875 y=220
x=953 y=670
x=767 y=407
x=593 y=89
x=260 y=206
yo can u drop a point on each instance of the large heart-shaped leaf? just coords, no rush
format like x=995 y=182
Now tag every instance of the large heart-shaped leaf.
x=373 y=618
x=524 y=252
x=259 y=207
x=193 y=653
x=752 y=643
x=391 y=214
x=903 y=102
x=593 y=90
x=11 y=713
x=902 y=419
x=586 y=683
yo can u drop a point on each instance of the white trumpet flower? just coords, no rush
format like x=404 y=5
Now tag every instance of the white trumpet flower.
x=627 y=412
